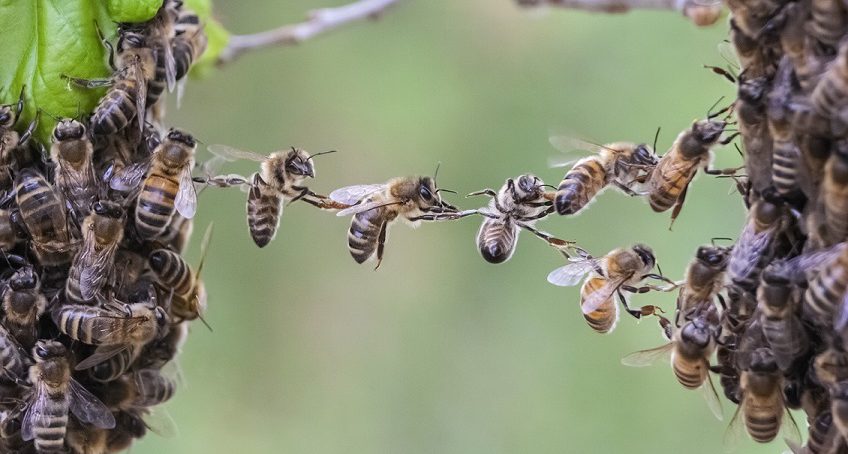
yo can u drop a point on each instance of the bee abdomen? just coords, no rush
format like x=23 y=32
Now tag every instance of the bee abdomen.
x=156 y=86
x=114 y=367
x=50 y=428
x=11 y=359
x=115 y=110
x=603 y=318
x=827 y=22
x=666 y=192
x=824 y=292
x=171 y=271
x=762 y=425
x=77 y=322
x=496 y=240
x=690 y=376
x=363 y=235
x=263 y=212
x=784 y=162
x=155 y=205
x=579 y=186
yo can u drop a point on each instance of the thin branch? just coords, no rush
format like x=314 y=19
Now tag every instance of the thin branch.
x=319 y=21
x=699 y=11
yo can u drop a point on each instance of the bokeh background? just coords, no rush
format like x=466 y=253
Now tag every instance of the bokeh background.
x=438 y=351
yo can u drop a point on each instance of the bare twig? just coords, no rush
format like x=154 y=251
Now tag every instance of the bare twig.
x=320 y=21
x=701 y=12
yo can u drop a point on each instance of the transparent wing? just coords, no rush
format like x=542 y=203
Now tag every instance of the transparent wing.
x=129 y=177
x=88 y=408
x=186 y=201
x=350 y=195
x=35 y=409
x=95 y=271
x=797 y=268
x=570 y=144
x=572 y=273
x=141 y=97
x=644 y=358
x=232 y=154
x=600 y=296
x=101 y=353
x=711 y=396
x=727 y=52
x=160 y=422
x=749 y=250
x=842 y=319
x=790 y=430
x=735 y=431
x=170 y=65
x=68 y=178
x=359 y=208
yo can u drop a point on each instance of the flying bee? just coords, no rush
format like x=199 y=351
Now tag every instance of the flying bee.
x=72 y=152
x=691 y=347
x=762 y=408
x=188 y=294
x=278 y=183
x=621 y=270
x=112 y=331
x=166 y=186
x=519 y=203
x=691 y=150
x=755 y=244
x=55 y=394
x=23 y=304
x=624 y=165
x=102 y=231
x=375 y=206
x=704 y=279
x=45 y=218
x=777 y=302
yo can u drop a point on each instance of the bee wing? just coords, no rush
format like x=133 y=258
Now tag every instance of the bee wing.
x=170 y=65
x=749 y=249
x=572 y=273
x=35 y=409
x=735 y=431
x=647 y=357
x=602 y=295
x=711 y=396
x=186 y=201
x=68 y=177
x=842 y=319
x=797 y=269
x=160 y=422
x=101 y=353
x=96 y=271
x=727 y=52
x=141 y=97
x=88 y=408
x=350 y=195
x=362 y=207
x=791 y=433
x=229 y=153
x=569 y=144
x=129 y=177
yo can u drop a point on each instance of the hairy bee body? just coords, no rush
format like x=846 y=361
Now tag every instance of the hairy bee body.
x=828 y=98
x=188 y=300
x=117 y=107
x=264 y=205
x=704 y=279
x=762 y=396
x=694 y=344
x=825 y=291
x=777 y=303
x=102 y=231
x=45 y=218
x=755 y=244
x=154 y=388
x=23 y=304
x=96 y=326
x=72 y=151
x=189 y=43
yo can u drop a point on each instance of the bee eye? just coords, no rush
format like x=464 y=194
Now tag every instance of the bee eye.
x=161 y=316
x=5 y=117
x=128 y=310
x=425 y=193
x=40 y=351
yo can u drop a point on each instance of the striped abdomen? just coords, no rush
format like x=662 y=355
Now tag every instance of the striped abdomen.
x=784 y=165
x=41 y=208
x=156 y=85
x=153 y=388
x=820 y=433
x=8 y=237
x=580 y=185
x=690 y=372
x=264 y=206
x=827 y=21
x=829 y=95
x=496 y=240
x=763 y=416
x=825 y=292
x=50 y=425
x=172 y=271
x=668 y=180
x=116 y=108
x=190 y=41
x=86 y=324
x=22 y=309
x=603 y=318
x=834 y=193
x=11 y=356
x=112 y=368
x=364 y=232
x=155 y=205
x=73 y=294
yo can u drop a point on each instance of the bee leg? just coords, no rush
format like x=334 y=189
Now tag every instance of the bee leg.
x=666 y=326
x=729 y=171
x=623 y=300
x=89 y=83
x=109 y=49
x=30 y=129
x=20 y=106
x=557 y=243
x=444 y=216
x=491 y=193
x=678 y=205
x=381 y=241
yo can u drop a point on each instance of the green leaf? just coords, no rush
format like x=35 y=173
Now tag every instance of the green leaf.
x=59 y=37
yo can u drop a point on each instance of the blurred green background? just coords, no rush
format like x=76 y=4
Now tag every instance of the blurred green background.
x=438 y=351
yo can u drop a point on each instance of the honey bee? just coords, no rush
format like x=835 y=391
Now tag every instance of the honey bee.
x=828 y=96
x=704 y=279
x=167 y=185
x=624 y=165
x=793 y=40
x=762 y=408
x=10 y=232
x=753 y=16
x=84 y=439
x=154 y=388
x=777 y=302
x=786 y=154
x=375 y=206
x=755 y=58
x=177 y=234
x=9 y=138
x=44 y=216
x=827 y=23
x=55 y=394
x=160 y=31
x=621 y=270
x=23 y=304
x=755 y=244
x=102 y=231
x=691 y=150
x=159 y=352
x=13 y=360
x=188 y=294
x=72 y=151
x=824 y=299
x=278 y=183
x=115 y=366
x=519 y=203
x=839 y=407
x=691 y=347
x=128 y=427
x=112 y=331
x=834 y=195
x=189 y=44
x=750 y=108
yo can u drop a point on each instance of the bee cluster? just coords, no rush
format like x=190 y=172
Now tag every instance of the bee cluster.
x=96 y=297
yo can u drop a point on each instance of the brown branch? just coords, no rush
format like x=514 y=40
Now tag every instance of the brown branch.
x=319 y=21
x=699 y=11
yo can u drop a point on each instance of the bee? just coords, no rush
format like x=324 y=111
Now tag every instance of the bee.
x=786 y=154
x=725 y=367
x=704 y=279
x=44 y=216
x=10 y=138
x=793 y=40
x=83 y=439
x=278 y=183
x=624 y=165
x=375 y=206
x=755 y=57
x=762 y=408
x=189 y=44
x=10 y=232
x=823 y=301
x=839 y=407
x=691 y=150
x=777 y=302
x=828 y=96
x=72 y=152
x=621 y=270
x=755 y=244
x=23 y=305
x=55 y=394
x=827 y=23
x=102 y=231
x=166 y=186
x=188 y=294
x=160 y=32
x=115 y=366
x=161 y=351
x=177 y=234
x=128 y=427
x=519 y=203
x=13 y=360
x=691 y=347
x=136 y=325
x=750 y=108
x=834 y=194
x=753 y=16
x=154 y=388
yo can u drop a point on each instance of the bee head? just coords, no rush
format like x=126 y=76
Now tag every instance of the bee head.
x=527 y=187
x=7 y=116
x=762 y=360
x=708 y=131
x=107 y=209
x=696 y=332
x=644 y=155
x=178 y=148
x=645 y=254
x=45 y=350
x=68 y=129
x=427 y=192
x=24 y=279
x=713 y=256
x=184 y=138
x=298 y=162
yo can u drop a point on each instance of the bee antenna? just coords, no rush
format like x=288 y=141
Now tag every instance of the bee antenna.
x=722 y=238
x=50 y=114
x=548 y=186
x=436 y=173
x=445 y=190
x=319 y=154
x=203 y=320
x=656 y=137
x=710 y=113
